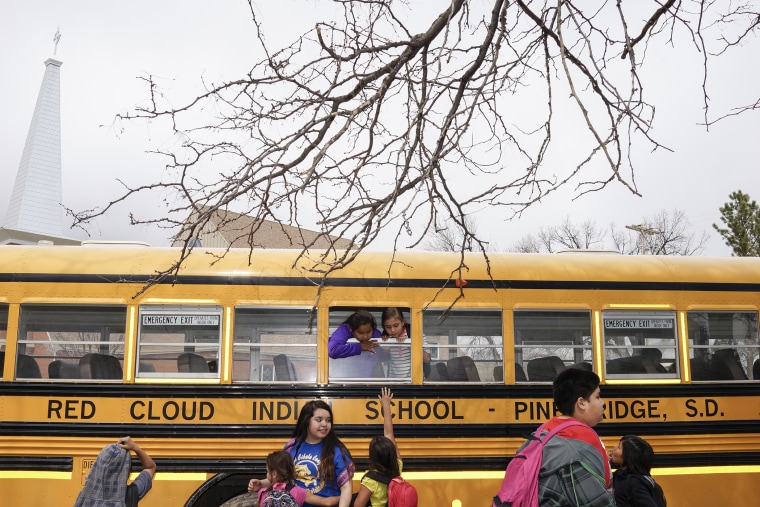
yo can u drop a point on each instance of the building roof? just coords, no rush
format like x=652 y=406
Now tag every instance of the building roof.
x=227 y=229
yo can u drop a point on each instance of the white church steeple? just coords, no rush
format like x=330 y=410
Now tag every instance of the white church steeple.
x=35 y=210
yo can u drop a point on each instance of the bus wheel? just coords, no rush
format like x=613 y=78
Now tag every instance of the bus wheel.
x=221 y=489
x=244 y=500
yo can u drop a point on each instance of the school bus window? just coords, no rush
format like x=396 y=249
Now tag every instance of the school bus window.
x=3 y=333
x=724 y=345
x=548 y=341
x=640 y=344
x=3 y=325
x=274 y=345
x=179 y=341
x=68 y=342
x=366 y=366
x=465 y=345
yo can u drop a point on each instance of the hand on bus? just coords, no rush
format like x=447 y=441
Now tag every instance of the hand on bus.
x=127 y=443
x=369 y=345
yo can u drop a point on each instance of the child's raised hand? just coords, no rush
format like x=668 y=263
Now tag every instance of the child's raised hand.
x=385 y=396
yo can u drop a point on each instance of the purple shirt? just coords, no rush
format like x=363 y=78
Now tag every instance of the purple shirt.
x=347 y=360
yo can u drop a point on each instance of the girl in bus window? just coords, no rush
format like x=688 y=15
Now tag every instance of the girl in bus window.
x=633 y=485
x=362 y=357
x=396 y=332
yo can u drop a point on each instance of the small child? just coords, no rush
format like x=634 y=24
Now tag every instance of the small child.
x=384 y=458
x=633 y=485
x=281 y=477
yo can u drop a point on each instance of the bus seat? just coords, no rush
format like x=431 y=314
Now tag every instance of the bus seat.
x=192 y=363
x=651 y=360
x=438 y=372
x=498 y=373
x=583 y=365
x=100 y=366
x=283 y=368
x=63 y=369
x=544 y=369
x=2 y=362
x=727 y=364
x=520 y=373
x=147 y=367
x=27 y=367
x=462 y=368
x=626 y=366
x=701 y=369
x=756 y=370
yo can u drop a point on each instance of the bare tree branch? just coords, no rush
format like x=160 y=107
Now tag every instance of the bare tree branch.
x=367 y=129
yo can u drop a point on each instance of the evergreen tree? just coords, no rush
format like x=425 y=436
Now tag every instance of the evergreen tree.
x=742 y=219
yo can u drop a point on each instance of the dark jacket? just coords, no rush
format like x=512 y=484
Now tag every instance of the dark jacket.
x=636 y=490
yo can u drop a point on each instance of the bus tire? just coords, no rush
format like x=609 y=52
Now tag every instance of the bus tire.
x=244 y=500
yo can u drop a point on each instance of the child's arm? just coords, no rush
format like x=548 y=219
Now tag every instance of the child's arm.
x=362 y=498
x=338 y=346
x=256 y=484
x=346 y=492
x=145 y=460
x=385 y=402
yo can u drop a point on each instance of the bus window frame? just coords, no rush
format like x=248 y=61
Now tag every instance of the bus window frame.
x=266 y=368
x=185 y=311
x=622 y=313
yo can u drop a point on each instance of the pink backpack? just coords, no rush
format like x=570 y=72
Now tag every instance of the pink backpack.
x=520 y=485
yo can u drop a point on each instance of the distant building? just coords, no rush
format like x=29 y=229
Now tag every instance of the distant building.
x=227 y=229
x=35 y=212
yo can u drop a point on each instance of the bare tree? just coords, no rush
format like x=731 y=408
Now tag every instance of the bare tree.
x=671 y=236
x=449 y=237
x=365 y=124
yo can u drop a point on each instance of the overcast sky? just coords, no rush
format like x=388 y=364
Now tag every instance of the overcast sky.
x=105 y=46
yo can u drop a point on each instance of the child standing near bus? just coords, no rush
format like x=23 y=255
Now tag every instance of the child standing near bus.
x=322 y=464
x=633 y=485
x=384 y=459
x=281 y=476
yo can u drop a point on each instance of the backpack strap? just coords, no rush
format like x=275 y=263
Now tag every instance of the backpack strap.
x=377 y=476
x=557 y=429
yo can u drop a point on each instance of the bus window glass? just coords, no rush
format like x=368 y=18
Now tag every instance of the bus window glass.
x=548 y=341
x=465 y=345
x=640 y=344
x=3 y=334
x=274 y=345
x=67 y=342
x=724 y=345
x=367 y=366
x=3 y=325
x=179 y=341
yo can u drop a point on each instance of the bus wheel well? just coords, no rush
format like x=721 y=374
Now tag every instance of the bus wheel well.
x=217 y=490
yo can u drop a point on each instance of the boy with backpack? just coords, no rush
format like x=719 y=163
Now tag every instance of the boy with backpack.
x=564 y=463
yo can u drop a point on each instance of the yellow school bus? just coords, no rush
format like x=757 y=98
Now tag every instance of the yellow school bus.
x=208 y=369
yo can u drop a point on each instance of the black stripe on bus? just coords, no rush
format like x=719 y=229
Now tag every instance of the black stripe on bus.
x=304 y=392
x=255 y=466
x=380 y=282
x=40 y=463
x=403 y=431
